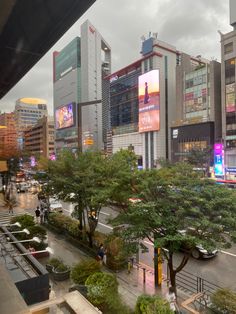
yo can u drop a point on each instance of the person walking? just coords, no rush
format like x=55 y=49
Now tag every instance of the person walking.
x=171 y=298
x=10 y=208
x=37 y=214
x=101 y=253
x=41 y=215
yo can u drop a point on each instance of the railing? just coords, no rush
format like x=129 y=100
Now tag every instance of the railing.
x=195 y=284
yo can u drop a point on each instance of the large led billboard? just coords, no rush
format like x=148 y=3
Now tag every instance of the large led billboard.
x=219 y=159
x=149 y=101
x=65 y=117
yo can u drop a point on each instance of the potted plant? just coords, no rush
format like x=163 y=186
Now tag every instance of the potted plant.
x=58 y=269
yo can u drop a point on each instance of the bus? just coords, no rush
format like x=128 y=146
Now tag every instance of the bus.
x=229 y=183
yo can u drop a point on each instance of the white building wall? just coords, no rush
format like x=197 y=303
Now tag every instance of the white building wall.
x=123 y=141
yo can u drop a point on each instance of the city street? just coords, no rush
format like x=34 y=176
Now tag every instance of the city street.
x=220 y=270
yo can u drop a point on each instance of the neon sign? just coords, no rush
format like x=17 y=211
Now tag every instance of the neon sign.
x=219 y=159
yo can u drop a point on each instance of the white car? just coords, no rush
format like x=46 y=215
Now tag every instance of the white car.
x=55 y=205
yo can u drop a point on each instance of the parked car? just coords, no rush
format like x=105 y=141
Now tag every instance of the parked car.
x=55 y=205
x=22 y=187
x=199 y=251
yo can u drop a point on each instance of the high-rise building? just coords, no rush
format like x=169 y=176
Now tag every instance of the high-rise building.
x=39 y=139
x=198 y=102
x=27 y=113
x=8 y=135
x=228 y=90
x=143 y=102
x=79 y=69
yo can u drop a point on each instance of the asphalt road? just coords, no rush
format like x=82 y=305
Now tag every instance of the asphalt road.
x=220 y=270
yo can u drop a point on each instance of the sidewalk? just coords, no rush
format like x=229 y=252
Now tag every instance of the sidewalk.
x=131 y=284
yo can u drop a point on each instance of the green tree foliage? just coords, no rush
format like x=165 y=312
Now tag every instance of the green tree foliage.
x=224 y=301
x=81 y=271
x=83 y=180
x=200 y=158
x=102 y=290
x=122 y=169
x=147 y=304
x=172 y=199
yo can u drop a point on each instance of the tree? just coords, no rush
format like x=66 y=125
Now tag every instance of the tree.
x=174 y=199
x=224 y=301
x=200 y=158
x=147 y=304
x=82 y=180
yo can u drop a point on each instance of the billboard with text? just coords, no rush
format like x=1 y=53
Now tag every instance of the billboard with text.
x=149 y=101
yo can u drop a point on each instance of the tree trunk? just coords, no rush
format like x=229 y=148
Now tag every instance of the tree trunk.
x=172 y=272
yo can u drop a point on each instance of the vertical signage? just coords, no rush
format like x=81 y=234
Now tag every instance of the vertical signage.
x=149 y=102
x=219 y=159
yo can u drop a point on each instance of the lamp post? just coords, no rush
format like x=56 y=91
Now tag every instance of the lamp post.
x=20 y=231
x=35 y=239
x=48 y=249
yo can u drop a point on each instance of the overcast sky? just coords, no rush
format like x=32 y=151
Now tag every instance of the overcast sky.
x=190 y=25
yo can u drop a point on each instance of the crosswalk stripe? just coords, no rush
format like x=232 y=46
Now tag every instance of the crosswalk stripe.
x=5 y=217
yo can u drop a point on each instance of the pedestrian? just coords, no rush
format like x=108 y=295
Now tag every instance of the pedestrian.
x=171 y=298
x=37 y=214
x=101 y=253
x=41 y=215
x=45 y=215
x=10 y=209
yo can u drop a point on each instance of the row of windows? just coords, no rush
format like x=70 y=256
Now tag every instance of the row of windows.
x=230 y=71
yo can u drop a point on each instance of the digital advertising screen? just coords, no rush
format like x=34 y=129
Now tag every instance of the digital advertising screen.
x=149 y=101
x=64 y=116
x=219 y=159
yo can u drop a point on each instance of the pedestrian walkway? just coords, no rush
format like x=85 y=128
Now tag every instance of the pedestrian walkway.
x=131 y=285
x=5 y=217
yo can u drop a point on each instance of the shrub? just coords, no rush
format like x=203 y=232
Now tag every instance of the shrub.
x=65 y=224
x=224 y=301
x=25 y=220
x=61 y=268
x=81 y=271
x=102 y=290
x=147 y=304
x=55 y=262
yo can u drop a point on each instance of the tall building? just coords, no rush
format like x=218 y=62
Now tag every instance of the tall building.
x=228 y=63
x=198 y=103
x=27 y=112
x=143 y=103
x=39 y=139
x=8 y=135
x=78 y=71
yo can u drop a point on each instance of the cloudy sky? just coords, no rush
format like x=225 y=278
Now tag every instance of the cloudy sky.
x=190 y=25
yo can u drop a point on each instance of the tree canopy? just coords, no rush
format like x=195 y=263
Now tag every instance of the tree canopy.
x=178 y=209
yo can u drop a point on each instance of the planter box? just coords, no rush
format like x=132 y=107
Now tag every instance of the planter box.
x=40 y=255
x=60 y=276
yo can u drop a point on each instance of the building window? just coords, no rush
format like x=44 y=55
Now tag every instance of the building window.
x=230 y=71
x=228 y=48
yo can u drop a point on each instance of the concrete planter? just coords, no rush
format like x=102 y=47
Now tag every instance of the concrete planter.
x=60 y=276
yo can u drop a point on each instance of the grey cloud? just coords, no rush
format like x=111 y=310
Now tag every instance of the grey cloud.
x=191 y=26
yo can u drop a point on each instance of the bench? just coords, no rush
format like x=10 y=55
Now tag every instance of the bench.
x=192 y=299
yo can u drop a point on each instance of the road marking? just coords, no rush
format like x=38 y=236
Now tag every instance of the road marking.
x=109 y=227
x=105 y=213
x=228 y=253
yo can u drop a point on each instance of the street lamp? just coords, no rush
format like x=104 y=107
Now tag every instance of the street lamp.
x=48 y=249
x=21 y=231
x=35 y=239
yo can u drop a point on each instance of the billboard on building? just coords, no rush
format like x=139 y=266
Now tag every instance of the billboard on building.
x=219 y=159
x=230 y=98
x=149 y=101
x=64 y=116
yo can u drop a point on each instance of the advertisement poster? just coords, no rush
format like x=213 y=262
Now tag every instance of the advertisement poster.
x=230 y=98
x=64 y=117
x=149 y=102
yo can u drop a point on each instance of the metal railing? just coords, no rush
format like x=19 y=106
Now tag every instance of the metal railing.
x=195 y=284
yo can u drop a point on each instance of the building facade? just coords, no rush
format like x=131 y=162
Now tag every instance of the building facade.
x=198 y=103
x=78 y=87
x=39 y=139
x=8 y=135
x=143 y=101
x=228 y=74
x=27 y=113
